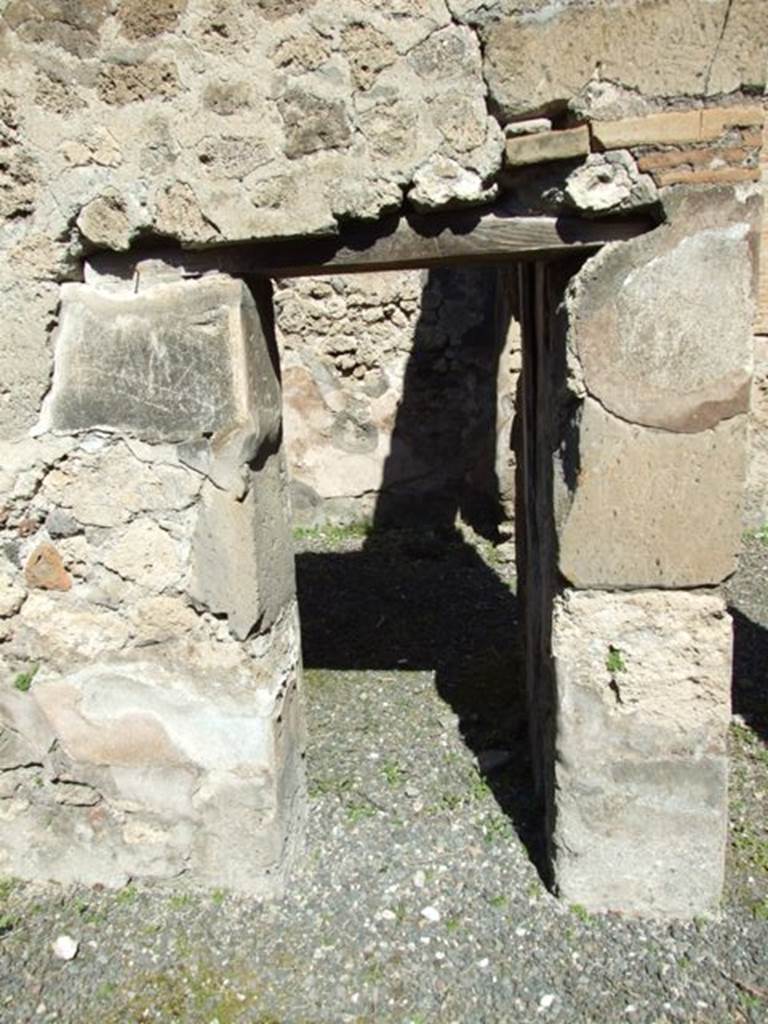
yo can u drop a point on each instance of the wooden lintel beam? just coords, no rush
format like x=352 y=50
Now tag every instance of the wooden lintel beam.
x=396 y=243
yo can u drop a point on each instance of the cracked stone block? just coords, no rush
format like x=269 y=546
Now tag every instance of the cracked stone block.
x=653 y=49
x=646 y=401
x=173 y=362
x=638 y=804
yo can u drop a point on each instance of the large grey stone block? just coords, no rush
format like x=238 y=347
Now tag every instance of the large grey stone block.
x=177 y=361
x=639 y=801
x=242 y=553
x=661 y=328
x=636 y=507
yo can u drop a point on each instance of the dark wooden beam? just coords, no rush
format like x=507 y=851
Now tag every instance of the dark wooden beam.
x=496 y=235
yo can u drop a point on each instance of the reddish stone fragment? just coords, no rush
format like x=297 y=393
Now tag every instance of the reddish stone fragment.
x=45 y=569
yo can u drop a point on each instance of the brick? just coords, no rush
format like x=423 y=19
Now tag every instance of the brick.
x=693 y=157
x=674 y=126
x=544 y=147
x=707 y=176
x=715 y=120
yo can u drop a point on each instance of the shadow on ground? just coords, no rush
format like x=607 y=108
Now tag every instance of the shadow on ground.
x=750 y=672
x=427 y=600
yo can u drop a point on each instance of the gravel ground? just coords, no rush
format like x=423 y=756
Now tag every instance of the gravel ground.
x=419 y=900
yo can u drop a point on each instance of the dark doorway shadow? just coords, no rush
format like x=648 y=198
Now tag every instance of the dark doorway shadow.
x=750 y=672
x=417 y=596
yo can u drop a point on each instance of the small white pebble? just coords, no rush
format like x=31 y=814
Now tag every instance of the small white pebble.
x=484 y=962
x=419 y=879
x=630 y=1008
x=65 y=947
x=546 y=1001
x=387 y=915
x=520 y=932
x=431 y=914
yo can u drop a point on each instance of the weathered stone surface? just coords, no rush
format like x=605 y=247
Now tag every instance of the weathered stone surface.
x=11 y=594
x=110 y=486
x=313 y=122
x=155 y=770
x=640 y=771
x=660 y=325
x=756 y=496
x=104 y=222
x=610 y=183
x=146 y=554
x=443 y=182
x=647 y=508
x=173 y=362
x=242 y=556
x=533 y=126
x=673 y=47
x=544 y=147
x=80 y=630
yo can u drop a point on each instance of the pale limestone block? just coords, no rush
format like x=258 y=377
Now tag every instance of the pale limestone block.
x=173 y=362
x=110 y=487
x=104 y=222
x=658 y=49
x=156 y=768
x=11 y=594
x=443 y=182
x=532 y=126
x=609 y=183
x=80 y=630
x=642 y=699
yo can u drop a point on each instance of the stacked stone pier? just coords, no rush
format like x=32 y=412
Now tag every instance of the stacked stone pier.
x=639 y=365
x=161 y=735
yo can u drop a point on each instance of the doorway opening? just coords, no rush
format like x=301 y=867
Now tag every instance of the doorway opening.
x=405 y=562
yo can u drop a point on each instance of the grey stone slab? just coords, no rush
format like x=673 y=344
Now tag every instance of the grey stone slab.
x=637 y=507
x=166 y=364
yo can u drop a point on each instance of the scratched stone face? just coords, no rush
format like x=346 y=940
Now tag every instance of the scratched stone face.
x=161 y=365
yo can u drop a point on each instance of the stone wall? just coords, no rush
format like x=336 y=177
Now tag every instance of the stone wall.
x=399 y=397
x=143 y=508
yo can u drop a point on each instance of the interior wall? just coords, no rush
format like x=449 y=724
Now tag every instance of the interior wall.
x=399 y=397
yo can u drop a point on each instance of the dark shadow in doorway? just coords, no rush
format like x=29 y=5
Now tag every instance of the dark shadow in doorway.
x=750 y=672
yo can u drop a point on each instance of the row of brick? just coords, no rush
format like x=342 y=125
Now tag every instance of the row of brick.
x=722 y=144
